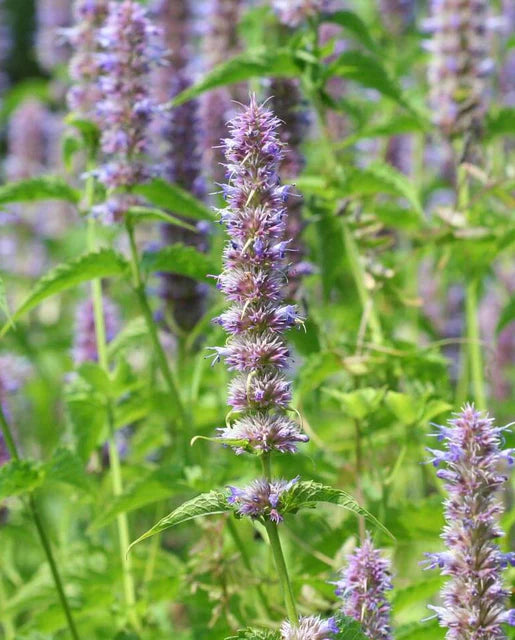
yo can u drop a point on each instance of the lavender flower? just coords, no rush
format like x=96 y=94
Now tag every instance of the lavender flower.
x=363 y=588
x=85 y=94
x=14 y=372
x=293 y=12
x=85 y=343
x=474 y=597
x=309 y=628
x=5 y=47
x=287 y=104
x=27 y=140
x=397 y=15
x=52 y=17
x=261 y=499
x=126 y=108
x=253 y=280
x=460 y=46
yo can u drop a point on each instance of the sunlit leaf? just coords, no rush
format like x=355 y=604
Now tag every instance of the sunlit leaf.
x=183 y=260
x=38 y=189
x=20 y=476
x=176 y=200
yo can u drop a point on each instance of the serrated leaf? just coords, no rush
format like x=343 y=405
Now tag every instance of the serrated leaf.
x=349 y=629
x=171 y=197
x=309 y=493
x=36 y=189
x=183 y=260
x=20 y=476
x=383 y=178
x=206 y=504
x=65 y=466
x=98 y=264
x=368 y=72
x=147 y=214
x=255 y=634
x=155 y=486
x=243 y=67
x=353 y=23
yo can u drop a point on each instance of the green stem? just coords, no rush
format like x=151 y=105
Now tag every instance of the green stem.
x=114 y=457
x=162 y=360
x=358 y=273
x=11 y=447
x=277 y=552
x=475 y=358
x=7 y=623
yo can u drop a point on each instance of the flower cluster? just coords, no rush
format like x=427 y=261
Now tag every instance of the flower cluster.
x=294 y=12
x=309 y=628
x=460 y=47
x=474 y=598
x=14 y=372
x=253 y=280
x=397 y=15
x=261 y=499
x=85 y=342
x=363 y=588
x=125 y=111
x=85 y=93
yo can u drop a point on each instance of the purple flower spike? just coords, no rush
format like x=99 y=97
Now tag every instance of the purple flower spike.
x=363 y=588
x=309 y=628
x=127 y=54
x=474 y=598
x=460 y=47
x=254 y=279
x=261 y=499
x=14 y=372
x=52 y=17
x=85 y=343
x=85 y=93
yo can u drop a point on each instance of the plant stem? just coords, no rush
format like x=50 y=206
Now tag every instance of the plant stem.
x=475 y=359
x=162 y=360
x=11 y=447
x=114 y=458
x=358 y=274
x=277 y=551
x=5 y=619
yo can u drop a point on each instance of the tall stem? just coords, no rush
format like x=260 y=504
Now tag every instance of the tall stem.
x=45 y=542
x=277 y=551
x=162 y=360
x=475 y=358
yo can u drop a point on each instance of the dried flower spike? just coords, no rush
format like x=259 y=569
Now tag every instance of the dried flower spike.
x=474 y=598
x=363 y=588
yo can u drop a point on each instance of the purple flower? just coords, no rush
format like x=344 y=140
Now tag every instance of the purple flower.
x=253 y=279
x=261 y=499
x=85 y=93
x=460 y=48
x=293 y=12
x=85 y=342
x=474 y=598
x=127 y=54
x=309 y=628
x=397 y=15
x=363 y=586
x=14 y=372
x=263 y=433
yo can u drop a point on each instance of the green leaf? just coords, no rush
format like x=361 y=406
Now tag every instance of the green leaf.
x=4 y=305
x=95 y=375
x=403 y=406
x=171 y=197
x=359 y=403
x=500 y=122
x=134 y=332
x=383 y=178
x=416 y=593
x=152 y=488
x=349 y=629
x=255 y=634
x=65 y=466
x=353 y=23
x=88 y=416
x=308 y=493
x=146 y=214
x=20 y=476
x=368 y=72
x=98 y=264
x=206 y=504
x=183 y=260
x=36 y=189
x=242 y=67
